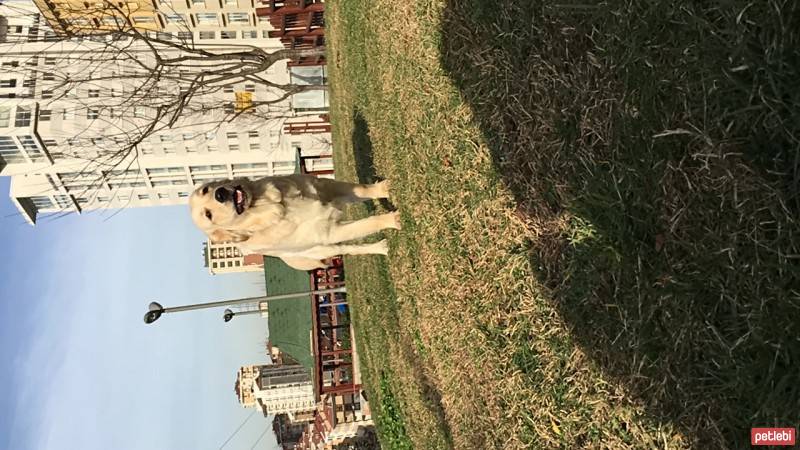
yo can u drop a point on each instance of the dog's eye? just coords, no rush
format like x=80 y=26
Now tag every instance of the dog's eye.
x=208 y=214
x=205 y=190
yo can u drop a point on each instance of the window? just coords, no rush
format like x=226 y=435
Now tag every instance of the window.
x=188 y=136
x=228 y=89
x=8 y=83
x=232 y=135
x=112 y=21
x=23 y=117
x=162 y=183
x=208 y=34
x=233 y=147
x=166 y=138
x=94 y=93
x=175 y=18
x=253 y=134
x=227 y=34
x=207 y=18
x=33 y=61
x=255 y=145
x=69 y=114
x=29 y=83
x=238 y=17
x=45 y=114
x=102 y=199
x=231 y=2
x=132 y=184
x=283 y=165
x=47 y=94
x=183 y=194
x=163 y=196
x=250 y=34
x=249 y=87
x=143 y=197
x=165 y=170
x=42 y=202
x=144 y=19
x=9 y=151
x=5 y=116
x=48 y=76
x=199 y=3
x=92 y=113
x=245 y=166
x=164 y=36
x=185 y=35
x=31 y=147
x=49 y=61
x=11 y=64
x=50 y=143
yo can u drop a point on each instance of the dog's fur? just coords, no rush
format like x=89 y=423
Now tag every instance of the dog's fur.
x=294 y=217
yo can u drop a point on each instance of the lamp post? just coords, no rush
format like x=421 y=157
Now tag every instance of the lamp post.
x=155 y=310
x=228 y=314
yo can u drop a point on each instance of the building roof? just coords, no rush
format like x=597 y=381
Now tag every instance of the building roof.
x=289 y=320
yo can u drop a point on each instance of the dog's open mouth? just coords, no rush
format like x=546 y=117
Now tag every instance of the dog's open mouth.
x=239 y=199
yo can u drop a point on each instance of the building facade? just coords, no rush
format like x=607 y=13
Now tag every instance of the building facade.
x=276 y=389
x=227 y=258
x=61 y=147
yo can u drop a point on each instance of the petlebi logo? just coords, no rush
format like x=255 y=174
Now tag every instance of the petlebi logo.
x=772 y=436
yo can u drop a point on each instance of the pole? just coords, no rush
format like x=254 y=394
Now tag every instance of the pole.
x=156 y=310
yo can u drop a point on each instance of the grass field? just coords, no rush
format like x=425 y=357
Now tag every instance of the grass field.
x=600 y=206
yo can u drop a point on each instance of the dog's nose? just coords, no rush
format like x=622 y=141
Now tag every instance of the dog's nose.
x=221 y=195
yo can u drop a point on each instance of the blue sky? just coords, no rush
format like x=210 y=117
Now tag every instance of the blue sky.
x=81 y=370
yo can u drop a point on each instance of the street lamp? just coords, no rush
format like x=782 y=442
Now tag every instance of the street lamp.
x=155 y=310
x=228 y=314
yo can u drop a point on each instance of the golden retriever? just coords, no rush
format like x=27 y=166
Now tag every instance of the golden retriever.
x=296 y=218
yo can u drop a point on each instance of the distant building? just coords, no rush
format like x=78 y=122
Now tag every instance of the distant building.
x=318 y=334
x=276 y=389
x=49 y=135
x=287 y=432
x=226 y=258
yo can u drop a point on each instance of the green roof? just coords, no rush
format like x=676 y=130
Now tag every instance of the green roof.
x=289 y=320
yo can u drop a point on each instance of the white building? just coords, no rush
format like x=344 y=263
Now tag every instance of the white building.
x=225 y=257
x=62 y=148
x=276 y=389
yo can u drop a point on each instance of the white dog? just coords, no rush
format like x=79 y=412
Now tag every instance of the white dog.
x=295 y=217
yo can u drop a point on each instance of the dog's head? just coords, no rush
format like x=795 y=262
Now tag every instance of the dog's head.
x=225 y=211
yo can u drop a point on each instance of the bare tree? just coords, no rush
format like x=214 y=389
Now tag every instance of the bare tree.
x=161 y=82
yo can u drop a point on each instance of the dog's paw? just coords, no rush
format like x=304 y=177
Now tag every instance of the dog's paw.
x=381 y=247
x=395 y=222
x=383 y=189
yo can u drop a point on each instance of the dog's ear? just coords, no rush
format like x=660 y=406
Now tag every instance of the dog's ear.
x=220 y=235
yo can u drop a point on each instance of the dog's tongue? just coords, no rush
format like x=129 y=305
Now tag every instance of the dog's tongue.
x=239 y=196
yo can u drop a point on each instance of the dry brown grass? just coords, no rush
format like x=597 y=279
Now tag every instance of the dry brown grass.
x=553 y=287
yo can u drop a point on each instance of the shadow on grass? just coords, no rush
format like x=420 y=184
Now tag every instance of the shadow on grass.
x=363 y=156
x=365 y=170
x=665 y=136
